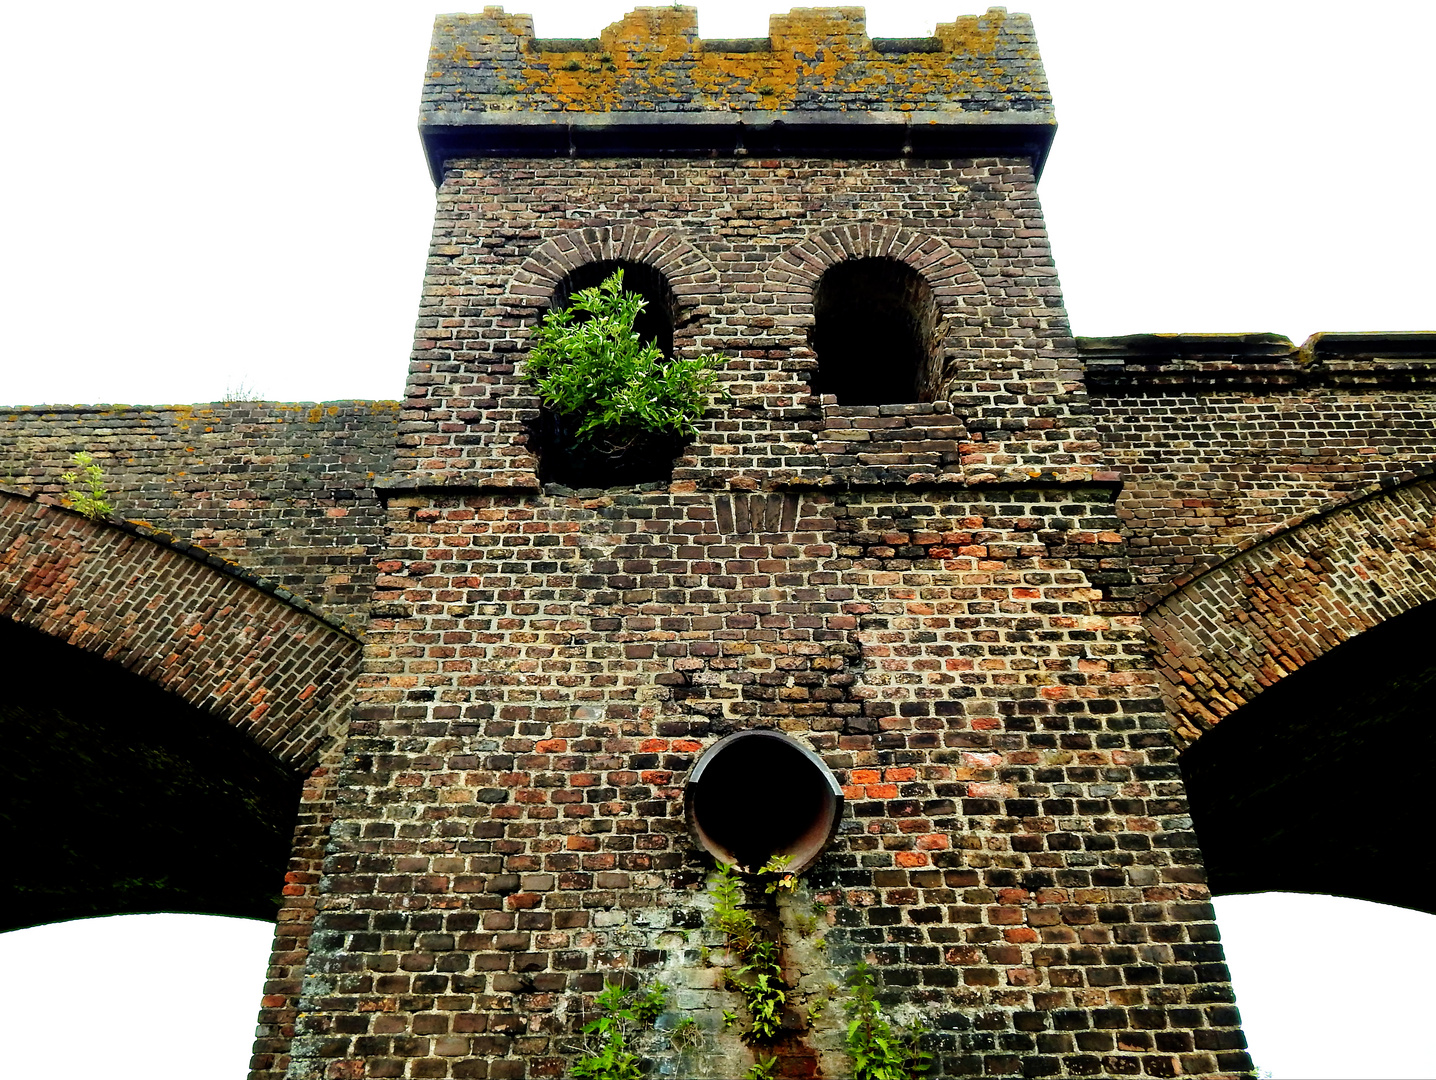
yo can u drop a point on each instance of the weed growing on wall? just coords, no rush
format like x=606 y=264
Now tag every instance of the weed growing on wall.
x=86 y=492
x=623 y=1013
x=878 y=1051
x=762 y=1069
x=759 y=975
x=608 y=392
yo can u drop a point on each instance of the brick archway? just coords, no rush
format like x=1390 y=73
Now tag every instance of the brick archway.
x=197 y=626
x=957 y=290
x=794 y=274
x=1246 y=622
x=687 y=272
x=219 y=638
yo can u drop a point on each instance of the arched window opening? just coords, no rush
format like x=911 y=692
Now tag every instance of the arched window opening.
x=655 y=321
x=603 y=462
x=875 y=331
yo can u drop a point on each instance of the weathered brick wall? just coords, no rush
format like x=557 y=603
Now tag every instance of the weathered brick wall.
x=928 y=594
x=1221 y=440
x=743 y=243
x=925 y=594
x=284 y=490
x=1015 y=856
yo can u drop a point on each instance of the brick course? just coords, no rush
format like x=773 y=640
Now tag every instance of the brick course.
x=1224 y=439
x=283 y=490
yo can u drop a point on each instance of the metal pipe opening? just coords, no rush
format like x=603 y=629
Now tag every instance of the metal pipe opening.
x=756 y=794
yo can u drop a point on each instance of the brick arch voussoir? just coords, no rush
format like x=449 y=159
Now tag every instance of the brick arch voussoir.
x=218 y=637
x=796 y=271
x=1265 y=611
x=792 y=278
x=688 y=273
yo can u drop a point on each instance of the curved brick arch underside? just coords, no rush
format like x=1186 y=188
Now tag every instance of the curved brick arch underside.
x=687 y=271
x=183 y=619
x=1263 y=614
x=795 y=273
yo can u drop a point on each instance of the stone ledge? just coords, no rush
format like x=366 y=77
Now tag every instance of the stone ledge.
x=1171 y=363
x=924 y=135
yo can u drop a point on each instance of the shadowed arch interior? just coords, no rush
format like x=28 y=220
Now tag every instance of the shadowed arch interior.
x=655 y=322
x=120 y=798
x=561 y=458
x=875 y=333
x=1320 y=784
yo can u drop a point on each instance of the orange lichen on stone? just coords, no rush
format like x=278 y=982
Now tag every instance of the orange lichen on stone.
x=973 y=34
x=653 y=60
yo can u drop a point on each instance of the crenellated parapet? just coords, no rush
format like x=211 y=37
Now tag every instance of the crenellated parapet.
x=816 y=84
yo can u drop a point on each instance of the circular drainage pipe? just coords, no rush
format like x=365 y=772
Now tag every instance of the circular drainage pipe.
x=756 y=794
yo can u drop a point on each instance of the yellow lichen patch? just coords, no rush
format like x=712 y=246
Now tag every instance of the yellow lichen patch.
x=634 y=62
x=316 y=414
x=725 y=79
x=662 y=33
x=975 y=35
x=654 y=55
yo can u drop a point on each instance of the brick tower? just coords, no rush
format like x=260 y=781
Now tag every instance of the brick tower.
x=874 y=618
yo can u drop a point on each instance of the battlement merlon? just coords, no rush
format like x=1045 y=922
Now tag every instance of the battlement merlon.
x=817 y=85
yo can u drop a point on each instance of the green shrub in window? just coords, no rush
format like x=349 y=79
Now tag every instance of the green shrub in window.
x=609 y=389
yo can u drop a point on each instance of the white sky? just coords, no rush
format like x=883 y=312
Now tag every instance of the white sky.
x=1329 y=988
x=197 y=198
x=201 y=196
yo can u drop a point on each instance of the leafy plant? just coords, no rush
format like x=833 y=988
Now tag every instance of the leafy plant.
x=729 y=919
x=879 y=1052
x=762 y=1069
x=686 y=1035
x=623 y=1012
x=86 y=494
x=760 y=981
x=759 y=977
x=776 y=869
x=592 y=369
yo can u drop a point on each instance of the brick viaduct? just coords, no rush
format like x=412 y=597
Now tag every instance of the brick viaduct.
x=1025 y=614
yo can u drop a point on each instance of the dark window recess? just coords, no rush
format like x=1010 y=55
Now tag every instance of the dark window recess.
x=875 y=332
x=599 y=463
x=655 y=321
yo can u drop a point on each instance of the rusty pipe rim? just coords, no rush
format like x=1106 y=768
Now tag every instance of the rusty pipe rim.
x=758 y=793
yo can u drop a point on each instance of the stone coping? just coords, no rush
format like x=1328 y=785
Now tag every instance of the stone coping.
x=1176 y=362
x=920 y=135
